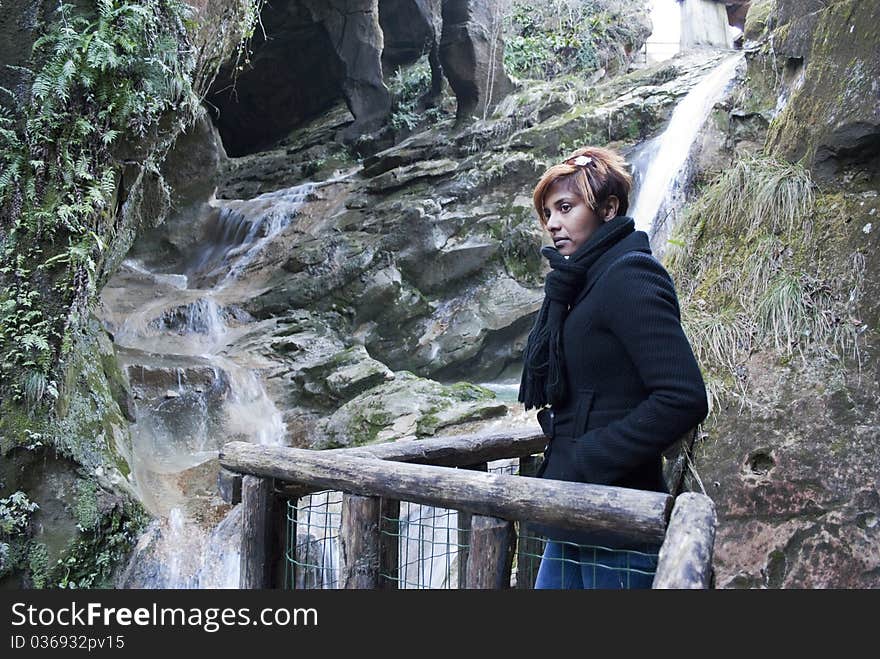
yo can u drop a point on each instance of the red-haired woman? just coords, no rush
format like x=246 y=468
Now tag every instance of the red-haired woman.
x=607 y=363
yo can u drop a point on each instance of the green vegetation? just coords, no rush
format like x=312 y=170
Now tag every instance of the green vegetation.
x=111 y=74
x=15 y=517
x=106 y=84
x=108 y=87
x=408 y=87
x=547 y=39
x=748 y=267
x=91 y=558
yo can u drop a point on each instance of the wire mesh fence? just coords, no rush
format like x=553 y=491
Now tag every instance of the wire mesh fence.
x=433 y=545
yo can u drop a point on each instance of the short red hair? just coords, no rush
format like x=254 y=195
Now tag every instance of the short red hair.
x=603 y=175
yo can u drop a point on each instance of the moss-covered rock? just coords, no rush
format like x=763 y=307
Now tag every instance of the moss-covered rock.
x=405 y=407
x=782 y=310
x=832 y=119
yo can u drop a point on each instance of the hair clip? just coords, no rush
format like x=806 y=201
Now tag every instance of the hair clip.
x=580 y=161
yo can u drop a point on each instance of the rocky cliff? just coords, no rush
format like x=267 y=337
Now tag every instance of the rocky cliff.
x=778 y=270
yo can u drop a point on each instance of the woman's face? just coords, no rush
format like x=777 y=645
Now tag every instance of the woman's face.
x=568 y=218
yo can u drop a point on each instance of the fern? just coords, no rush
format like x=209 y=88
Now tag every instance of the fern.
x=112 y=74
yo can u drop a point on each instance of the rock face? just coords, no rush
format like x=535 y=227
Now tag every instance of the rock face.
x=737 y=11
x=792 y=462
x=413 y=28
x=420 y=262
x=430 y=253
x=832 y=114
x=315 y=53
x=353 y=29
x=471 y=51
x=294 y=74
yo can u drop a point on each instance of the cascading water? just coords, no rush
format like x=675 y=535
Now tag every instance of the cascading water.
x=660 y=164
x=191 y=396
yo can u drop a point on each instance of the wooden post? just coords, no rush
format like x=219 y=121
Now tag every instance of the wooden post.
x=527 y=545
x=359 y=542
x=277 y=541
x=229 y=486
x=491 y=554
x=256 y=500
x=686 y=555
x=464 y=533
x=389 y=544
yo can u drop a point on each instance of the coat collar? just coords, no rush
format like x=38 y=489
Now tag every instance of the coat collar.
x=637 y=241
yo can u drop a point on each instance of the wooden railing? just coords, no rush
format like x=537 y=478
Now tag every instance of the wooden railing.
x=375 y=479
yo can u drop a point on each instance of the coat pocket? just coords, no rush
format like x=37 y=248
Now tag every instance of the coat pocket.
x=582 y=414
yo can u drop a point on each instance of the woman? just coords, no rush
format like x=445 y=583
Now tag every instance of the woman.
x=607 y=362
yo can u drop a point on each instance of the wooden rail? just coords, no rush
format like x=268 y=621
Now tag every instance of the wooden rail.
x=379 y=477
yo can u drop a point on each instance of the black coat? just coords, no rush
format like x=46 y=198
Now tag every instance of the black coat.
x=634 y=384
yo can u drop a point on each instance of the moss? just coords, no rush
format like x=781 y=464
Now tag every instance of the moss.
x=757 y=18
x=89 y=421
x=38 y=563
x=86 y=504
x=763 y=264
x=19 y=426
x=466 y=391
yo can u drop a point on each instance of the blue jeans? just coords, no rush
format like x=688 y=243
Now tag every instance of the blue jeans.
x=568 y=566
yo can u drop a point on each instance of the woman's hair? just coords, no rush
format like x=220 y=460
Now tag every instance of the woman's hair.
x=593 y=173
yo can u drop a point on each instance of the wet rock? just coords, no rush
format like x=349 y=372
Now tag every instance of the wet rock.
x=406 y=407
x=400 y=176
x=154 y=380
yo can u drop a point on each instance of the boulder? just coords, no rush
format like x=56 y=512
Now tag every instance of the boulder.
x=342 y=376
x=405 y=407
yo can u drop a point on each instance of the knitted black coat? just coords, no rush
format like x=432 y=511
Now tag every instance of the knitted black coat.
x=634 y=384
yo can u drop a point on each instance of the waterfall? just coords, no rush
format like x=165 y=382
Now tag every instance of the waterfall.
x=191 y=396
x=660 y=164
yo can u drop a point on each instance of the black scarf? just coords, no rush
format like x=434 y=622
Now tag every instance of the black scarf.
x=543 y=377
